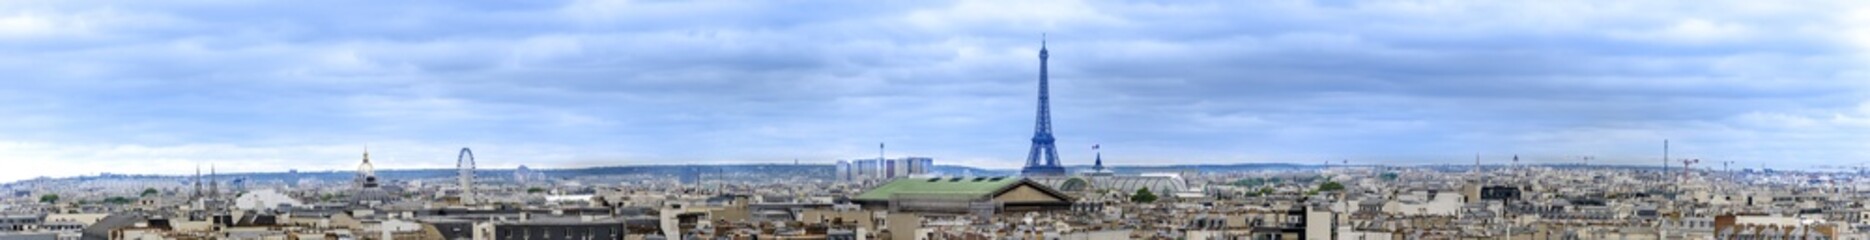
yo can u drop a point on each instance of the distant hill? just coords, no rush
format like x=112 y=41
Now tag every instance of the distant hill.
x=957 y=170
x=812 y=170
x=1239 y=167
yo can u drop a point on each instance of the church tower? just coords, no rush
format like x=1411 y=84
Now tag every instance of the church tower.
x=214 y=184
x=198 y=194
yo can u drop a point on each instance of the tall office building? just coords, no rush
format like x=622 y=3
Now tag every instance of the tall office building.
x=893 y=168
x=865 y=169
x=872 y=169
x=843 y=172
x=914 y=166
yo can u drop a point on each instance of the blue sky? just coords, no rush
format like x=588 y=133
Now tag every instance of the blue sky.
x=163 y=86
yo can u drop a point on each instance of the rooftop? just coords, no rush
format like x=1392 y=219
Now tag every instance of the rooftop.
x=960 y=186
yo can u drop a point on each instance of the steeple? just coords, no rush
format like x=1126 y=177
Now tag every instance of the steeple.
x=197 y=195
x=214 y=183
x=366 y=168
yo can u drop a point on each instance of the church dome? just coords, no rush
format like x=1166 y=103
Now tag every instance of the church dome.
x=366 y=168
x=366 y=173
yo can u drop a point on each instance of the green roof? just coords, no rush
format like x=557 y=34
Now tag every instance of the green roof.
x=966 y=186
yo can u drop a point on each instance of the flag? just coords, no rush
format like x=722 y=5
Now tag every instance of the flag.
x=1093 y=146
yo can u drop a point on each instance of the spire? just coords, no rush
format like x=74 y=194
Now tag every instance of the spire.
x=366 y=169
x=366 y=172
x=197 y=181
x=214 y=183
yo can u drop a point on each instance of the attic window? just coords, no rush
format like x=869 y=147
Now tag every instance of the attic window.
x=980 y=179
x=956 y=179
x=934 y=179
x=997 y=178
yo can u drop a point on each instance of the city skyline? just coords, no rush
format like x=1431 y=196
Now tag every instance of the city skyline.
x=141 y=88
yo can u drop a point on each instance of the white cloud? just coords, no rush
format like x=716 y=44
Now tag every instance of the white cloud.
x=35 y=159
x=1692 y=31
x=972 y=15
x=595 y=82
x=26 y=25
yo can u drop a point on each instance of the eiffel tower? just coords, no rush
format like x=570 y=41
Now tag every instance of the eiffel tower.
x=1043 y=159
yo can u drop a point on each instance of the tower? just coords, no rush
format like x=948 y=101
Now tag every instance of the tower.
x=366 y=173
x=882 y=168
x=369 y=187
x=1042 y=160
x=214 y=190
x=292 y=178
x=464 y=165
x=197 y=195
x=214 y=184
x=1097 y=168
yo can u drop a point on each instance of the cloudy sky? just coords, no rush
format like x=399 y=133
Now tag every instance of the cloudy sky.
x=164 y=86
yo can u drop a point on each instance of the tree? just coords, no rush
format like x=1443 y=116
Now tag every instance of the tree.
x=1143 y=196
x=1249 y=182
x=1389 y=176
x=535 y=190
x=49 y=198
x=150 y=192
x=328 y=197
x=118 y=200
x=1266 y=190
x=1330 y=186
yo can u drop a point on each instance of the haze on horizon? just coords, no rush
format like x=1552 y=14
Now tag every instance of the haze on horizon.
x=164 y=87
